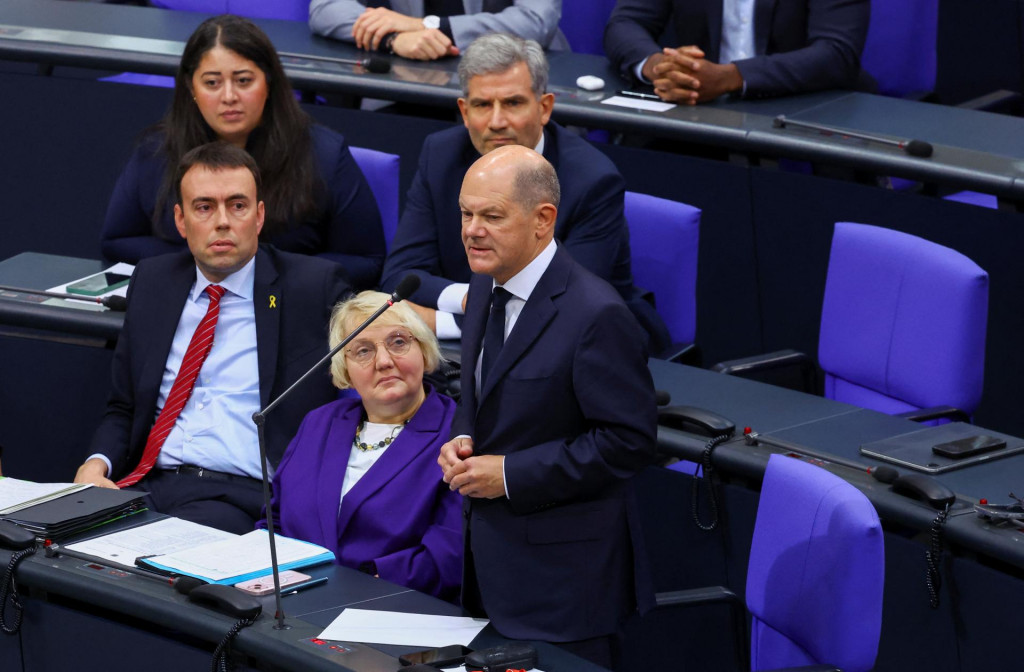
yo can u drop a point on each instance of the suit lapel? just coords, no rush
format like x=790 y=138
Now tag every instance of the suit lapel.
x=477 y=308
x=267 y=302
x=532 y=321
x=714 y=17
x=164 y=307
x=764 y=11
x=337 y=447
x=415 y=438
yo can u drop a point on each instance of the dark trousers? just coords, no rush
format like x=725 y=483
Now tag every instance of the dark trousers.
x=229 y=503
x=603 y=651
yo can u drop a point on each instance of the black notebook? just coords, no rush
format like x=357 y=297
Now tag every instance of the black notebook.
x=76 y=512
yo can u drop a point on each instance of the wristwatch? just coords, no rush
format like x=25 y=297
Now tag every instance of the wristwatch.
x=431 y=21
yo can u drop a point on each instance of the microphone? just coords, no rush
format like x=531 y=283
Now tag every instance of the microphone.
x=662 y=398
x=408 y=285
x=378 y=65
x=113 y=302
x=918 y=148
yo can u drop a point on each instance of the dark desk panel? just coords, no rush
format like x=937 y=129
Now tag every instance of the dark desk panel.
x=147 y=39
x=826 y=428
x=42 y=271
x=64 y=594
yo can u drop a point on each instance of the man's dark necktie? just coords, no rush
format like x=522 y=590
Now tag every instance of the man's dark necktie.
x=494 y=335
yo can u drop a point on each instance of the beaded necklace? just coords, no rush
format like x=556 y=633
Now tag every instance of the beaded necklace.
x=386 y=441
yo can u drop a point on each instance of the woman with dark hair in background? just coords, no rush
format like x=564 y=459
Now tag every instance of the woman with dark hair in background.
x=231 y=86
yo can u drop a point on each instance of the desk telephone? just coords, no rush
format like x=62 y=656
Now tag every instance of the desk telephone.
x=696 y=421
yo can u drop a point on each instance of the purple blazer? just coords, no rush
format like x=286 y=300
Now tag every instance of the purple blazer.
x=400 y=515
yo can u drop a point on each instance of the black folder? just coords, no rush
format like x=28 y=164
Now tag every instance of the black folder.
x=78 y=511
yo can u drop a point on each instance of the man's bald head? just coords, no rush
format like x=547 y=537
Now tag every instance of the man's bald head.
x=532 y=177
x=509 y=204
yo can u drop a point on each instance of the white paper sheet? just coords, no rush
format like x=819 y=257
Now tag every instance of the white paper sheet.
x=241 y=557
x=169 y=535
x=392 y=627
x=638 y=103
x=16 y=494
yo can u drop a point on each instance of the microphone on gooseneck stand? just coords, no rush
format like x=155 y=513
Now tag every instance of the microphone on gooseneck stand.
x=918 y=148
x=405 y=289
x=378 y=65
x=113 y=302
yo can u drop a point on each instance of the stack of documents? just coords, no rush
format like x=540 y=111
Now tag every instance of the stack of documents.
x=238 y=559
x=16 y=494
x=59 y=510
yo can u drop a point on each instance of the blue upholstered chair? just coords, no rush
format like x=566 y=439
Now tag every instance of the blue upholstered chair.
x=382 y=172
x=900 y=51
x=583 y=23
x=903 y=326
x=663 y=237
x=815 y=576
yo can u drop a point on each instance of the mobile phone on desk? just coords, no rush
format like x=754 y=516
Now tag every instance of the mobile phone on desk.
x=98 y=284
x=264 y=585
x=969 y=446
x=445 y=656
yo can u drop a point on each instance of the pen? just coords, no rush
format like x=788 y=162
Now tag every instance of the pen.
x=637 y=94
x=302 y=586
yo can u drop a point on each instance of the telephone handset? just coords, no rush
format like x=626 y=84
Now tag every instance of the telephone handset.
x=924 y=488
x=695 y=420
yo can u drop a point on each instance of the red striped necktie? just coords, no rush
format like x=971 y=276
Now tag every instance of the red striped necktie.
x=181 y=390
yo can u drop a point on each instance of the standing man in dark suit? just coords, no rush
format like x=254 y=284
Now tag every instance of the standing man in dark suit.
x=557 y=415
x=505 y=101
x=210 y=336
x=752 y=48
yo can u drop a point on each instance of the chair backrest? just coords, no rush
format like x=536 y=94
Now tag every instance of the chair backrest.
x=903 y=322
x=816 y=571
x=900 y=52
x=663 y=238
x=382 y=172
x=293 y=10
x=583 y=23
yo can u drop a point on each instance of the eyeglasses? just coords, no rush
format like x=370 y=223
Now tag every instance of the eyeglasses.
x=364 y=352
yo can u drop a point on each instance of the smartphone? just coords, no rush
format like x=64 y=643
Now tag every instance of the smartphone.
x=101 y=283
x=264 y=585
x=445 y=656
x=972 y=445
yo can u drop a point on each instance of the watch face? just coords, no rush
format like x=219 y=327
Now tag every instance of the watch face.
x=431 y=21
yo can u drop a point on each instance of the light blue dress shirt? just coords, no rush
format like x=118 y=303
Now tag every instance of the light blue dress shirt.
x=215 y=429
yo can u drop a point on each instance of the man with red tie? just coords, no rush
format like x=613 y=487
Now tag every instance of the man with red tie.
x=210 y=336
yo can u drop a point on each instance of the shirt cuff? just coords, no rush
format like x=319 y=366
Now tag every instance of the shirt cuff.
x=445 y=326
x=106 y=460
x=504 y=482
x=638 y=71
x=450 y=298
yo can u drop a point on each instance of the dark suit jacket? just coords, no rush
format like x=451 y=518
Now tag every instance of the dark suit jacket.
x=807 y=45
x=347 y=228
x=570 y=404
x=591 y=224
x=400 y=515
x=291 y=337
